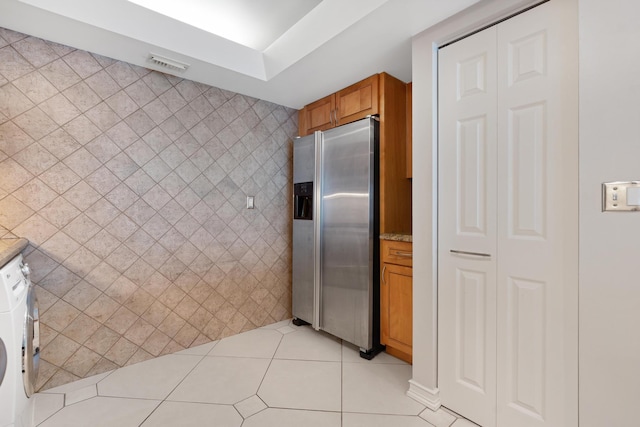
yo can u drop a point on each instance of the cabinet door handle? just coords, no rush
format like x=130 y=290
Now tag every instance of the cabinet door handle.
x=331 y=117
x=453 y=251
x=335 y=114
x=403 y=254
x=384 y=267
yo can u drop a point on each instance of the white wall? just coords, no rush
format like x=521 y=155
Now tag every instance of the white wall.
x=609 y=242
x=424 y=384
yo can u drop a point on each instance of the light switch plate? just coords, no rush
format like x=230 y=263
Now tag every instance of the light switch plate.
x=621 y=196
x=250 y=204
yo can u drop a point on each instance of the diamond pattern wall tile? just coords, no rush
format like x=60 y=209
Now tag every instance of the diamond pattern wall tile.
x=59 y=281
x=121 y=351
x=81 y=229
x=59 y=74
x=60 y=244
x=140 y=93
x=35 y=194
x=81 y=295
x=82 y=63
x=12 y=139
x=13 y=102
x=35 y=158
x=36 y=229
x=122 y=104
x=12 y=64
x=60 y=109
x=173 y=128
x=131 y=186
x=121 y=197
x=62 y=349
x=81 y=362
x=140 y=152
x=59 y=212
x=122 y=134
x=82 y=129
x=35 y=123
x=102 y=84
x=122 y=73
x=140 y=182
x=81 y=328
x=36 y=51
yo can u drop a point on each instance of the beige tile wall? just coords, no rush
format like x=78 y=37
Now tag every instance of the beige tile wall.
x=131 y=186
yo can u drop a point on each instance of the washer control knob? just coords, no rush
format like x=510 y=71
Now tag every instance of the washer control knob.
x=25 y=269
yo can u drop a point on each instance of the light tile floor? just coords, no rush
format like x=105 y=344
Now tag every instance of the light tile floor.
x=279 y=375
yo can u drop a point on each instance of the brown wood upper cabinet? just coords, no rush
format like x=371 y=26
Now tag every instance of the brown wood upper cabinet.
x=318 y=115
x=347 y=105
x=386 y=96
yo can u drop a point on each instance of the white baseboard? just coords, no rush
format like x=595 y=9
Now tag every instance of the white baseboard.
x=427 y=396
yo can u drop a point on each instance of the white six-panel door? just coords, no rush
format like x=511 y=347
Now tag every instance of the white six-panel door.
x=508 y=208
x=467 y=222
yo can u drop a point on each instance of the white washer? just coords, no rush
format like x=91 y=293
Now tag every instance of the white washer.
x=19 y=344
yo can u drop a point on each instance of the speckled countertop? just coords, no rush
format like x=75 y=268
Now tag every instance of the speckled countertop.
x=9 y=248
x=397 y=237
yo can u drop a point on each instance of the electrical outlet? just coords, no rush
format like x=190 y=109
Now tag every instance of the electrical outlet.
x=250 y=204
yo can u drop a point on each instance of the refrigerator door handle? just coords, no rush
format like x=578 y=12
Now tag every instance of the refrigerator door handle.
x=317 y=238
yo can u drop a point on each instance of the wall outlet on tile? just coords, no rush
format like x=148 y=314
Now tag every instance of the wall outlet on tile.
x=250 y=204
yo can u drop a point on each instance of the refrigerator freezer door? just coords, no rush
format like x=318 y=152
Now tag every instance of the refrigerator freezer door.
x=347 y=178
x=304 y=288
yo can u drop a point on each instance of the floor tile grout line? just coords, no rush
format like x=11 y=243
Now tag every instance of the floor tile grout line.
x=345 y=357
x=264 y=376
x=64 y=395
x=164 y=399
x=267 y=371
x=60 y=409
x=304 y=409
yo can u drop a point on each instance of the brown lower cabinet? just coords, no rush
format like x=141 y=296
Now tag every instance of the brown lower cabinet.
x=396 y=298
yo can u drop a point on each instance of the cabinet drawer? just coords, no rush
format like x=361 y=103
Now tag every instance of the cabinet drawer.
x=400 y=253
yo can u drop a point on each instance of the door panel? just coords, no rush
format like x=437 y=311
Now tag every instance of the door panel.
x=346 y=220
x=527 y=171
x=537 y=231
x=357 y=101
x=472 y=185
x=471 y=290
x=525 y=347
x=318 y=115
x=521 y=298
x=399 y=281
x=467 y=201
x=304 y=286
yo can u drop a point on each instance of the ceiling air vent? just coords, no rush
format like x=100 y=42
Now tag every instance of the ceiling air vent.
x=171 y=64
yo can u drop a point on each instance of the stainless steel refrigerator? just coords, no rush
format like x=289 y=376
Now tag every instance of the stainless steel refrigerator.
x=335 y=233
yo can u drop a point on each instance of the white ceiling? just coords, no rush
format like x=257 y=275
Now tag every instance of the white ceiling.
x=290 y=52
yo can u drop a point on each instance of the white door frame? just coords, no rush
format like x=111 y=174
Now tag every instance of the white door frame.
x=423 y=386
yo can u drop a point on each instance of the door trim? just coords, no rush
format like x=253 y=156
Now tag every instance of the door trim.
x=423 y=386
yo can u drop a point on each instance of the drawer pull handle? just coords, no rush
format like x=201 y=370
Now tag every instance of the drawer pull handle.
x=453 y=251
x=384 y=267
x=403 y=254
